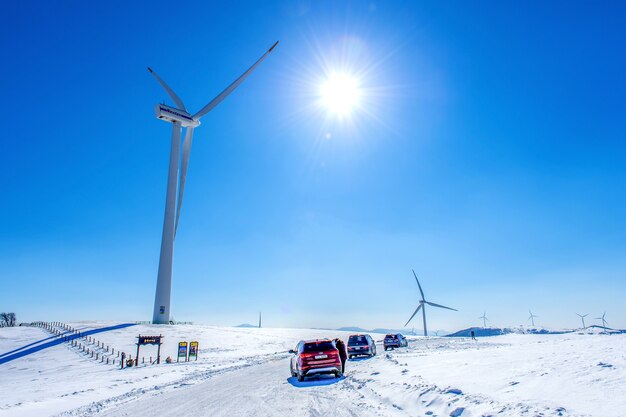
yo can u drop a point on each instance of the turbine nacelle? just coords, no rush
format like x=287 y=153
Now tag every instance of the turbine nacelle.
x=174 y=115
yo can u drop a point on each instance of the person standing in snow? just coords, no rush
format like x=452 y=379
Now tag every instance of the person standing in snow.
x=343 y=354
x=473 y=335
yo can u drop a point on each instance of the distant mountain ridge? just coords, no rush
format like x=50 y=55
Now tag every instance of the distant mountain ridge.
x=497 y=331
x=405 y=332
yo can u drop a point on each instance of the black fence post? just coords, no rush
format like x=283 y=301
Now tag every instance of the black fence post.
x=159 y=349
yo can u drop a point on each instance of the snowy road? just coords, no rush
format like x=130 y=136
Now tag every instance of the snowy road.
x=258 y=390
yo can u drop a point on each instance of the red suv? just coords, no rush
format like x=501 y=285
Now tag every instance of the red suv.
x=315 y=357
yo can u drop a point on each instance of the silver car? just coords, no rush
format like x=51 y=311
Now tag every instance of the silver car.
x=361 y=345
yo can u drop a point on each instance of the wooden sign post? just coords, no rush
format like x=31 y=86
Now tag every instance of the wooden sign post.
x=149 y=340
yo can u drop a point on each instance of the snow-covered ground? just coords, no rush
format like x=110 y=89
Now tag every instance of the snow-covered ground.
x=245 y=371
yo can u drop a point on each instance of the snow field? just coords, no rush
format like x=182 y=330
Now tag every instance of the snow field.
x=245 y=371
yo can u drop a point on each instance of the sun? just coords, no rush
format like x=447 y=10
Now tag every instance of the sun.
x=340 y=94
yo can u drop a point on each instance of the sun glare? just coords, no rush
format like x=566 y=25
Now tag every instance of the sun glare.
x=340 y=94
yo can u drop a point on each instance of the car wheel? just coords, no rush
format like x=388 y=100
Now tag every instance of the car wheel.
x=338 y=374
x=300 y=377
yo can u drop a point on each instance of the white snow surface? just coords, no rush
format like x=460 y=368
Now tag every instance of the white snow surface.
x=245 y=372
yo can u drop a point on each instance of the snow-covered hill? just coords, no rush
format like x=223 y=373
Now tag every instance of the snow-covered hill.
x=245 y=371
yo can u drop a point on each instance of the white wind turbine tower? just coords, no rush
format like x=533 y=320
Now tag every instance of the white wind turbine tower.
x=582 y=317
x=259 y=319
x=422 y=306
x=532 y=318
x=604 y=322
x=180 y=118
x=485 y=319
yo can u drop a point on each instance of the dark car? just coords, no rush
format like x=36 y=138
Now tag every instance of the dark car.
x=393 y=341
x=315 y=357
x=361 y=344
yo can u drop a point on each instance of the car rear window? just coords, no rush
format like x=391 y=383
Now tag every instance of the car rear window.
x=390 y=336
x=357 y=341
x=318 y=346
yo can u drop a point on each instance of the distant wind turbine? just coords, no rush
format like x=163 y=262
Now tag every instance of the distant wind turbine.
x=582 y=317
x=485 y=319
x=259 y=319
x=422 y=305
x=532 y=318
x=604 y=322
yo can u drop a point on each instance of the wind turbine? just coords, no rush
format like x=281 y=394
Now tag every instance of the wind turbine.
x=259 y=319
x=485 y=319
x=604 y=322
x=582 y=317
x=532 y=318
x=422 y=305
x=180 y=118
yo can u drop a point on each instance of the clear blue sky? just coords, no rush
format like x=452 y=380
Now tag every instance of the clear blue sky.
x=488 y=153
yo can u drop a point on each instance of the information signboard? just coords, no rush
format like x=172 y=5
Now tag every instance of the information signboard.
x=193 y=350
x=182 y=351
x=149 y=340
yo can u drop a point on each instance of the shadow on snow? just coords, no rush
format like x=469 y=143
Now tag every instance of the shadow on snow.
x=315 y=381
x=360 y=358
x=8 y=357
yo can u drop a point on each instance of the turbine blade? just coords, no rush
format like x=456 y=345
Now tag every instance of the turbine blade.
x=418 y=284
x=414 y=313
x=183 y=172
x=439 y=305
x=177 y=100
x=221 y=96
